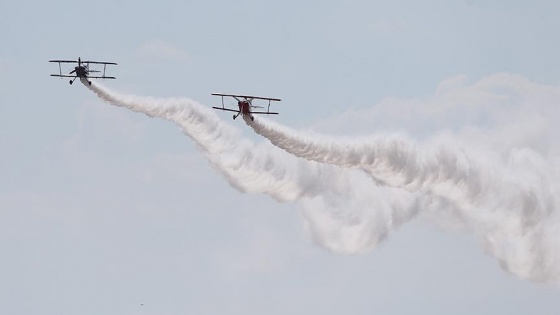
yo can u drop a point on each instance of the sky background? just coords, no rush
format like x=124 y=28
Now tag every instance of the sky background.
x=103 y=210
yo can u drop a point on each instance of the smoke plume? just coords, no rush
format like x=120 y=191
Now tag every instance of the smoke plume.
x=506 y=196
x=354 y=192
x=343 y=210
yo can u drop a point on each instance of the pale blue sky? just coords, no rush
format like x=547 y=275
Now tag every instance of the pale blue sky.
x=102 y=209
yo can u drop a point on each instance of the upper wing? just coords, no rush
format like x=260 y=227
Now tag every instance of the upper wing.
x=249 y=97
x=99 y=62
x=64 y=61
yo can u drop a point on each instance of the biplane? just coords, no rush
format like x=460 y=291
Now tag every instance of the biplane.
x=82 y=70
x=245 y=105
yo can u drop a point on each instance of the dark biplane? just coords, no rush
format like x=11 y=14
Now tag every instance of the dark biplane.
x=245 y=105
x=82 y=70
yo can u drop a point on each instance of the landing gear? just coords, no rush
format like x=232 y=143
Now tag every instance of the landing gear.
x=89 y=82
x=71 y=81
x=252 y=118
x=234 y=116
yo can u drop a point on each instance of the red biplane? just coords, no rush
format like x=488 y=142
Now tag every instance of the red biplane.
x=245 y=105
x=82 y=70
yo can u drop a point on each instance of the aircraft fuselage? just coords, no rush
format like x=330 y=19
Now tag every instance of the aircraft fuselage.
x=81 y=71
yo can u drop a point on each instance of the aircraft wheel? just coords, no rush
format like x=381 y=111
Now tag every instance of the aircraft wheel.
x=252 y=118
x=89 y=82
x=234 y=117
x=70 y=82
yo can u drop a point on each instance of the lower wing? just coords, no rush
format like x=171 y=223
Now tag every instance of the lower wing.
x=227 y=109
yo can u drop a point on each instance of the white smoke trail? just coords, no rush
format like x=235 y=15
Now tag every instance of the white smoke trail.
x=344 y=211
x=347 y=212
x=508 y=200
x=240 y=161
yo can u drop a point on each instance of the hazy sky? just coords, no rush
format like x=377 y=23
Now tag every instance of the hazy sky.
x=103 y=210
